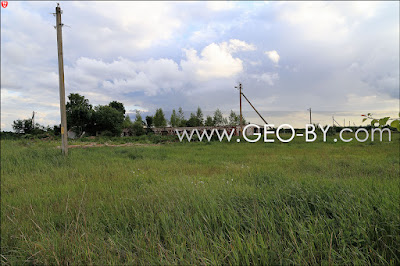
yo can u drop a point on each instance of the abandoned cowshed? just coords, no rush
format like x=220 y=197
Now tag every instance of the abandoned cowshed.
x=172 y=130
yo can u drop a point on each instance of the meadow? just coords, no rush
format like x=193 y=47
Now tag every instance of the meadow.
x=201 y=203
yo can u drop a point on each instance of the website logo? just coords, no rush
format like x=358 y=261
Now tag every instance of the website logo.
x=268 y=132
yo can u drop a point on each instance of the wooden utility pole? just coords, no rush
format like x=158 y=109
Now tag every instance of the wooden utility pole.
x=33 y=119
x=240 y=99
x=240 y=104
x=310 y=115
x=64 y=131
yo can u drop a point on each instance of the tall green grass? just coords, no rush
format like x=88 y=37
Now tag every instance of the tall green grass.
x=201 y=203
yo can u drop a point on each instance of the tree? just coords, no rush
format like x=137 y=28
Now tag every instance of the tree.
x=138 y=117
x=23 y=126
x=234 y=119
x=149 y=121
x=224 y=121
x=192 y=122
x=57 y=130
x=137 y=129
x=196 y=120
x=26 y=126
x=209 y=121
x=181 y=118
x=181 y=115
x=199 y=117
x=159 y=118
x=118 y=106
x=174 y=119
x=18 y=126
x=79 y=113
x=127 y=122
x=107 y=118
x=218 y=118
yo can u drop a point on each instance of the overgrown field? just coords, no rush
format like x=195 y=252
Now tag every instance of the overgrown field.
x=201 y=203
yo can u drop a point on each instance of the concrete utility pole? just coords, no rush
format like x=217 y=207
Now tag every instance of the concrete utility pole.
x=64 y=131
x=310 y=115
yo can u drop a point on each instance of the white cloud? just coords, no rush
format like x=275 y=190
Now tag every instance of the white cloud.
x=220 y=5
x=124 y=76
x=254 y=63
x=130 y=20
x=8 y=95
x=268 y=78
x=155 y=76
x=236 y=45
x=215 y=60
x=273 y=56
x=327 y=21
x=372 y=103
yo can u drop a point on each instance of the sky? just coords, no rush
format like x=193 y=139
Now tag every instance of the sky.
x=339 y=58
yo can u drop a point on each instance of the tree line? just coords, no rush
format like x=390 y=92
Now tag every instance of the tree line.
x=112 y=120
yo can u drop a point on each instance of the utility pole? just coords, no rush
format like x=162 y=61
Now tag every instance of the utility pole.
x=240 y=99
x=64 y=132
x=33 y=119
x=240 y=104
x=310 y=115
x=335 y=122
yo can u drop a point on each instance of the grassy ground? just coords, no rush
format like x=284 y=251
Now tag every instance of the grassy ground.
x=217 y=203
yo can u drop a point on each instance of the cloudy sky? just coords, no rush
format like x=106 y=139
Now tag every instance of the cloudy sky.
x=340 y=58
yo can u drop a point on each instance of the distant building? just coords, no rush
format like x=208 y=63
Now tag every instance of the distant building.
x=71 y=134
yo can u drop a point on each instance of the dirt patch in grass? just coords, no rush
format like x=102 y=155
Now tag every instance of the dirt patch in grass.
x=93 y=145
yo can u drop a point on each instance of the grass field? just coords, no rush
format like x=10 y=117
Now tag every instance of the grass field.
x=201 y=203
